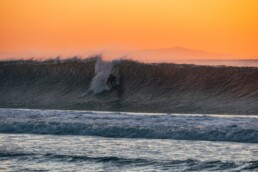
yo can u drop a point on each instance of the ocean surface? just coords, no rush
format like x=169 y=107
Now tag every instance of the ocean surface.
x=198 y=117
x=70 y=140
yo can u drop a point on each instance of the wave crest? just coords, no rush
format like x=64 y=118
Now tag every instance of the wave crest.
x=142 y=87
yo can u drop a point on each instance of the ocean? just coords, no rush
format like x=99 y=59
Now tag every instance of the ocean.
x=61 y=115
x=70 y=140
x=81 y=85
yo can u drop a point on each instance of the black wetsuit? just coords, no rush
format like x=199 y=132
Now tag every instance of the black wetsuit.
x=111 y=80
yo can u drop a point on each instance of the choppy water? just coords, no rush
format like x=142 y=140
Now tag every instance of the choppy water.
x=57 y=140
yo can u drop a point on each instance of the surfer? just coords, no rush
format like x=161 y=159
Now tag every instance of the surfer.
x=111 y=80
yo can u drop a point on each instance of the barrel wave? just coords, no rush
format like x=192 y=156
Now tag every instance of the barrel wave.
x=170 y=88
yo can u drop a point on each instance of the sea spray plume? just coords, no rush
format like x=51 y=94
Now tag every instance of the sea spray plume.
x=102 y=71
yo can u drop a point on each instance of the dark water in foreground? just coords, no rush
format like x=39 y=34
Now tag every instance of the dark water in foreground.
x=58 y=140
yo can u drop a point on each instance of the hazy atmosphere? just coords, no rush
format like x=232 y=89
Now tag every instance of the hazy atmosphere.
x=128 y=85
x=46 y=28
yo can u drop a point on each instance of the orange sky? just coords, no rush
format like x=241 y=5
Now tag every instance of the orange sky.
x=64 y=27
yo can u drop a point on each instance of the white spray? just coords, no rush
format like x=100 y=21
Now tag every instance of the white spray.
x=102 y=71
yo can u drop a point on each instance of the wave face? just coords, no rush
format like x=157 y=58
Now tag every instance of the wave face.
x=142 y=87
x=130 y=125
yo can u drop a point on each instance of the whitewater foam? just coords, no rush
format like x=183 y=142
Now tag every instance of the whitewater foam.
x=32 y=152
x=128 y=125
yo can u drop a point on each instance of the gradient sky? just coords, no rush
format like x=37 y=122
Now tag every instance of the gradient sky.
x=74 y=26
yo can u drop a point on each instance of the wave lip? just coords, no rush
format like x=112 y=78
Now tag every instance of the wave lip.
x=123 y=125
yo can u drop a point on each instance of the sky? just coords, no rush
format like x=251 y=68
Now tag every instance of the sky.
x=44 y=28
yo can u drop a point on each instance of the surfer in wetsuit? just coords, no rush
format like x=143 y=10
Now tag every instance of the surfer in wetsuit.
x=111 y=80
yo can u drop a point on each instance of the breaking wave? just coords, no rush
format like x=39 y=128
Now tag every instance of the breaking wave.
x=175 y=88
x=126 y=125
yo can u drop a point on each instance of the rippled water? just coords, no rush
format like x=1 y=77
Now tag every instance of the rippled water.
x=27 y=152
x=45 y=140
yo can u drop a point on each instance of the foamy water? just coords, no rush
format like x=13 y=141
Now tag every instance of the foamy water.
x=59 y=140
